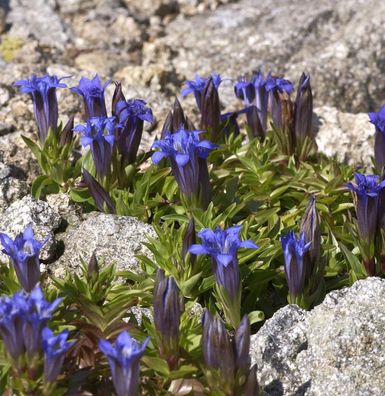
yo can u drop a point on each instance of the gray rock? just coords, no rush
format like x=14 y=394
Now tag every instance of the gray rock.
x=347 y=137
x=11 y=189
x=335 y=349
x=44 y=220
x=38 y=19
x=112 y=238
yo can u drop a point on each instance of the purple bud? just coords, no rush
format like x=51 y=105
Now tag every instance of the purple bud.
x=67 y=133
x=117 y=97
x=178 y=117
x=218 y=351
x=252 y=386
x=93 y=268
x=242 y=345
x=211 y=109
x=102 y=199
x=189 y=238
x=167 y=312
x=303 y=112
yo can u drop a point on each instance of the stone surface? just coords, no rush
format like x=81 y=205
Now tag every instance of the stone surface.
x=11 y=188
x=112 y=238
x=45 y=221
x=335 y=349
x=347 y=137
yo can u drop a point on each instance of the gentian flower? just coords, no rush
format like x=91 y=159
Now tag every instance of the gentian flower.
x=378 y=119
x=24 y=253
x=131 y=114
x=197 y=85
x=12 y=313
x=294 y=254
x=98 y=133
x=222 y=246
x=38 y=313
x=261 y=99
x=189 y=239
x=167 y=312
x=278 y=84
x=54 y=348
x=43 y=93
x=229 y=120
x=245 y=90
x=22 y=319
x=92 y=92
x=368 y=192
x=124 y=358
x=184 y=149
x=303 y=111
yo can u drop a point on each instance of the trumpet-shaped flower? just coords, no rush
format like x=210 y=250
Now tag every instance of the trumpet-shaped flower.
x=124 y=358
x=294 y=254
x=184 y=149
x=98 y=133
x=54 y=348
x=131 y=113
x=24 y=253
x=197 y=85
x=222 y=246
x=43 y=92
x=92 y=92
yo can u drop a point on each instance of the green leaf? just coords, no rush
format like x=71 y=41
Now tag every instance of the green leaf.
x=256 y=316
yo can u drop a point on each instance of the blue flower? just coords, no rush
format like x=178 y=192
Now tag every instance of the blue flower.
x=294 y=253
x=92 y=92
x=24 y=253
x=38 y=313
x=43 y=92
x=197 y=85
x=378 y=119
x=22 y=319
x=278 y=84
x=222 y=246
x=261 y=100
x=124 y=358
x=367 y=191
x=132 y=113
x=184 y=149
x=98 y=133
x=12 y=314
x=54 y=348
x=245 y=90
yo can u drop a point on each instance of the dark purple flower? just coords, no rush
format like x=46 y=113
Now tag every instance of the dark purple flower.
x=278 y=84
x=378 y=119
x=230 y=123
x=184 y=149
x=189 y=238
x=261 y=99
x=99 y=134
x=36 y=318
x=124 y=358
x=43 y=92
x=197 y=85
x=167 y=312
x=245 y=90
x=294 y=254
x=24 y=253
x=54 y=348
x=12 y=313
x=211 y=110
x=131 y=114
x=92 y=92
x=368 y=192
x=222 y=246
x=242 y=345
x=303 y=111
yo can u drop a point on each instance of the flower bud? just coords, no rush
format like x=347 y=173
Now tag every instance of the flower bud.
x=189 y=239
x=211 y=112
x=67 y=133
x=303 y=110
x=242 y=345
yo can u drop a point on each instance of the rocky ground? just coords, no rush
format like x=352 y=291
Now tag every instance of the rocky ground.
x=152 y=46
